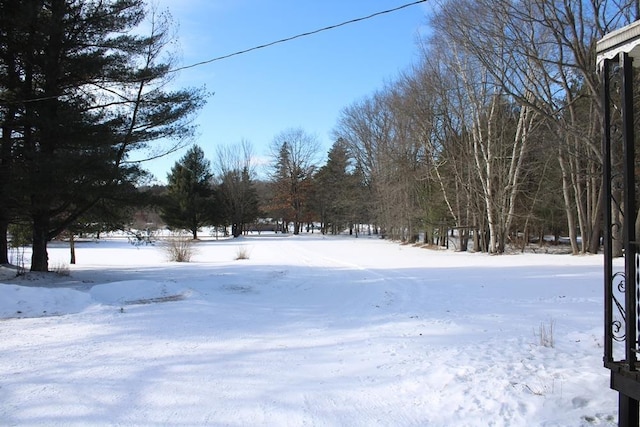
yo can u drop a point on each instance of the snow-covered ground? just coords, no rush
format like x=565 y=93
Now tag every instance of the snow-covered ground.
x=309 y=330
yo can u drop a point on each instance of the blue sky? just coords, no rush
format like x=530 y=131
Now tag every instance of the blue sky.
x=303 y=83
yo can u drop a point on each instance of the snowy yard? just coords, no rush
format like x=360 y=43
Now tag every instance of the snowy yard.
x=308 y=331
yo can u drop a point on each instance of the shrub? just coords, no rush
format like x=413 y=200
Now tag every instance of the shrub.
x=242 y=252
x=179 y=248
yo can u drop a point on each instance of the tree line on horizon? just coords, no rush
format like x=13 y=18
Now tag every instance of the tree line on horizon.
x=297 y=194
x=495 y=132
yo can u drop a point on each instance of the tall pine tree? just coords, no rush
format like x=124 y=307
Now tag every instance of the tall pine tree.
x=190 y=203
x=80 y=93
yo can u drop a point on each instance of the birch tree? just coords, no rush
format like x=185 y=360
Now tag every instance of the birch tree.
x=547 y=49
x=496 y=129
x=440 y=110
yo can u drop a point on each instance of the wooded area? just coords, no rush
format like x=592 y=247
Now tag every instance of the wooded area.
x=497 y=130
x=494 y=133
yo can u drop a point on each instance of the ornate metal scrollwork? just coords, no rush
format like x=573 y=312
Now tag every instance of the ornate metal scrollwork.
x=620 y=173
x=619 y=283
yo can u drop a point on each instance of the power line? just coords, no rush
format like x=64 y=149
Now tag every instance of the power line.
x=297 y=36
x=241 y=52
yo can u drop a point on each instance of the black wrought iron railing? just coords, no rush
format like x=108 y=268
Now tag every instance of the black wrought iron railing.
x=616 y=52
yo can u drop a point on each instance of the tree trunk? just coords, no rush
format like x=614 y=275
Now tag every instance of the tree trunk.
x=596 y=229
x=72 y=248
x=566 y=194
x=39 y=257
x=4 y=246
x=464 y=239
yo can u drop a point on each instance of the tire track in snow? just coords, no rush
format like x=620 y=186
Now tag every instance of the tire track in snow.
x=385 y=290
x=403 y=358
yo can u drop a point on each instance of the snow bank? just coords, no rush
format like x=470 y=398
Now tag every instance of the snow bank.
x=27 y=301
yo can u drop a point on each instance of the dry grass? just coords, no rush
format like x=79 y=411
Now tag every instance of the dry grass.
x=242 y=252
x=179 y=248
x=61 y=269
x=545 y=335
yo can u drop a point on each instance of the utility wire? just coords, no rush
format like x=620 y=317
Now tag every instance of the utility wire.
x=308 y=33
x=241 y=52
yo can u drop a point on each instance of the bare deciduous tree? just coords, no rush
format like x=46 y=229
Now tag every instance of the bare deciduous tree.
x=294 y=158
x=383 y=136
x=542 y=53
x=235 y=175
x=496 y=129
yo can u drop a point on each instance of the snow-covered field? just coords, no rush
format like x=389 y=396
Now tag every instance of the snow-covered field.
x=308 y=331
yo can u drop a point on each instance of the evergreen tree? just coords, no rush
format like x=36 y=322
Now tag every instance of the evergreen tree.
x=281 y=203
x=334 y=190
x=80 y=93
x=294 y=153
x=189 y=203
